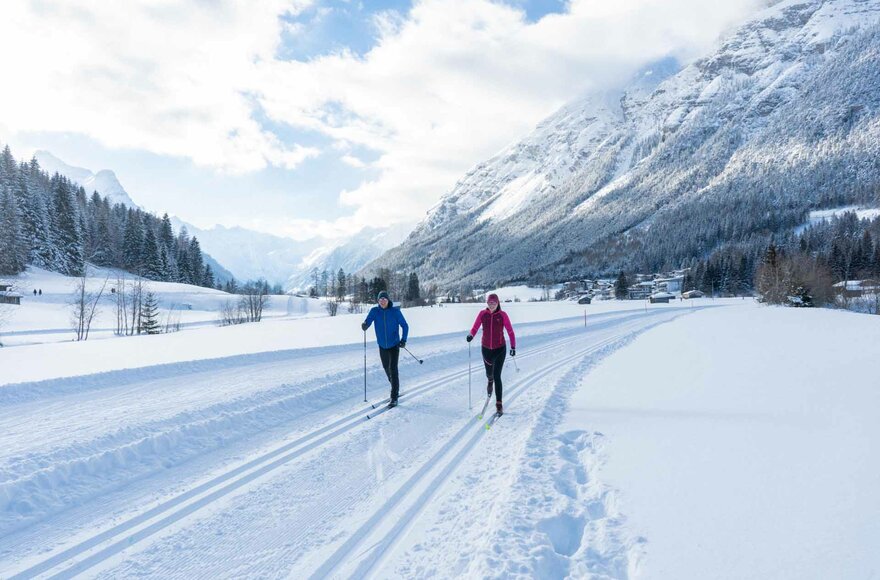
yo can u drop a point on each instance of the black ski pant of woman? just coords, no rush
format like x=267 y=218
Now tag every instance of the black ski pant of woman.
x=390 y=357
x=493 y=360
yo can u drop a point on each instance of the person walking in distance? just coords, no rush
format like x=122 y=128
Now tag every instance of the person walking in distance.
x=494 y=322
x=388 y=320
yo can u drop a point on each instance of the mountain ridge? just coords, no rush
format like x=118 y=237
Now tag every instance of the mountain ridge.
x=709 y=137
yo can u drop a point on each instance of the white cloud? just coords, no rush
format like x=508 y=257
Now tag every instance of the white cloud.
x=460 y=79
x=167 y=77
x=446 y=86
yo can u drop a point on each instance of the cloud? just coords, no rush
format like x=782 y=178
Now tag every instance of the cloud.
x=455 y=81
x=170 y=78
x=445 y=86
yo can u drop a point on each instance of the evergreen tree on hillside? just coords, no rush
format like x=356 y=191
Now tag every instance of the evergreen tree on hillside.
x=8 y=169
x=169 y=253
x=34 y=221
x=66 y=228
x=196 y=263
x=13 y=250
x=153 y=268
x=208 y=281
x=133 y=242
x=413 y=293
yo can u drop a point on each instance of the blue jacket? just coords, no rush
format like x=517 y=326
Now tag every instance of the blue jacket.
x=388 y=322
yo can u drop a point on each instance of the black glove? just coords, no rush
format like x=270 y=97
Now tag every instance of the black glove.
x=402 y=344
x=364 y=326
x=469 y=338
x=513 y=352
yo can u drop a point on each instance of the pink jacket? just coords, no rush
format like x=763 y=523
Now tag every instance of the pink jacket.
x=493 y=325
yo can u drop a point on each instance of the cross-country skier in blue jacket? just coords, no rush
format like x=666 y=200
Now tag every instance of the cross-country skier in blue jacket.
x=388 y=320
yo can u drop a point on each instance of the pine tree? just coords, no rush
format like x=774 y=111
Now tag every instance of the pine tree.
x=133 y=243
x=152 y=259
x=66 y=228
x=34 y=222
x=413 y=293
x=208 y=281
x=13 y=250
x=8 y=169
x=150 y=315
x=341 y=286
x=167 y=245
x=196 y=263
x=621 y=286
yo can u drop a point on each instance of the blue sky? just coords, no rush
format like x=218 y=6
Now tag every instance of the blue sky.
x=316 y=117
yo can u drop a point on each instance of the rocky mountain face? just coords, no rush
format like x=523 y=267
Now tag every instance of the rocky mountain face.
x=783 y=118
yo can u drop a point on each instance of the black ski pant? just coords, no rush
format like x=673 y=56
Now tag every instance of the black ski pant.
x=389 y=357
x=493 y=360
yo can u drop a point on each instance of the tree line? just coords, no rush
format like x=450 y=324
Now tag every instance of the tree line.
x=339 y=287
x=53 y=223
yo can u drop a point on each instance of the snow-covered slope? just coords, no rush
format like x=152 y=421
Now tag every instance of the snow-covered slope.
x=785 y=114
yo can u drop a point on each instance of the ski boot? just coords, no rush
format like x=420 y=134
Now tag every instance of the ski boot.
x=498 y=408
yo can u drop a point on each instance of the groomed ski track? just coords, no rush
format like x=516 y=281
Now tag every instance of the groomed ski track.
x=334 y=514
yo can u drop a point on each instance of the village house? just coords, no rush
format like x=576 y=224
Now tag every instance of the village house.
x=7 y=296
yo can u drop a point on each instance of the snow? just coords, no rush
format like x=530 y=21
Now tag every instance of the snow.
x=745 y=439
x=631 y=437
x=824 y=215
x=46 y=318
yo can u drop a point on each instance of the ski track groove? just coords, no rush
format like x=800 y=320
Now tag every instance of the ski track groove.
x=347 y=423
x=380 y=550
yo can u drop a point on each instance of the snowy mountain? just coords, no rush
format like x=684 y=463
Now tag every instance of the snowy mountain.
x=104 y=182
x=248 y=254
x=783 y=118
x=351 y=255
x=107 y=185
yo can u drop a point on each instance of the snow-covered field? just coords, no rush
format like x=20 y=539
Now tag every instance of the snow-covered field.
x=689 y=440
x=46 y=318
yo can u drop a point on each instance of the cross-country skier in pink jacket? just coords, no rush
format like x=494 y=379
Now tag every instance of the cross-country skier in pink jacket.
x=494 y=322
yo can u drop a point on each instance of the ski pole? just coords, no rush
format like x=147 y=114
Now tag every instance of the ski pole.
x=516 y=366
x=414 y=356
x=469 y=377
x=365 y=366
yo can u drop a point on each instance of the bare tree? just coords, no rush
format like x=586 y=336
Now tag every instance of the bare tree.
x=172 y=319
x=231 y=313
x=128 y=295
x=254 y=299
x=84 y=305
x=331 y=305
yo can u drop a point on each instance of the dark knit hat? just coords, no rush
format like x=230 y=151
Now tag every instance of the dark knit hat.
x=382 y=294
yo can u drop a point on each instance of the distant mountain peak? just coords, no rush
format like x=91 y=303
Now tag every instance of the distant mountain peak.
x=104 y=181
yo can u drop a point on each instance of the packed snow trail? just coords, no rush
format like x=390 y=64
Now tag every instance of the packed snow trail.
x=136 y=505
x=148 y=523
